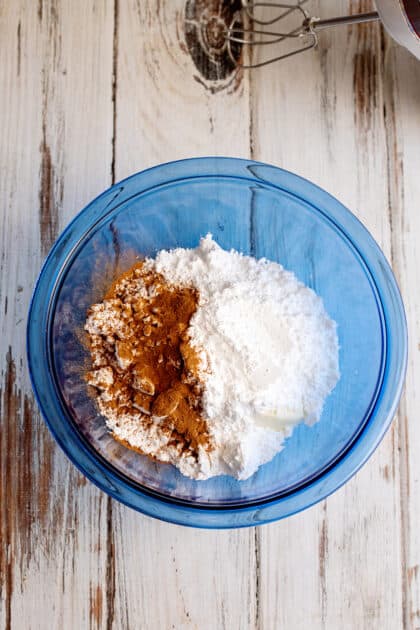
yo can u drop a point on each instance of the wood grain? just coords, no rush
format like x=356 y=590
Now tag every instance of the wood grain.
x=402 y=96
x=351 y=563
x=91 y=92
x=55 y=155
x=200 y=576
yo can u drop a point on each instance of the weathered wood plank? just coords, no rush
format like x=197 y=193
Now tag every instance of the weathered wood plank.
x=167 y=109
x=402 y=98
x=342 y=559
x=56 y=78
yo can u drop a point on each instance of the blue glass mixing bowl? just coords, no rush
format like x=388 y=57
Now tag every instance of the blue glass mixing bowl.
x=259 y=210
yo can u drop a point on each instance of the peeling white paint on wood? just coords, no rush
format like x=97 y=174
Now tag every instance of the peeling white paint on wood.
x=94 y=91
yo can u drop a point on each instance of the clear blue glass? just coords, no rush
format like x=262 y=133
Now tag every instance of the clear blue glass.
x=259 y=210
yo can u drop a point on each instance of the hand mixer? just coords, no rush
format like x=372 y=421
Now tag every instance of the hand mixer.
x=401 y=18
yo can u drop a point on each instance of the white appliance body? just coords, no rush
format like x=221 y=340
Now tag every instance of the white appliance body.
x=401 y=18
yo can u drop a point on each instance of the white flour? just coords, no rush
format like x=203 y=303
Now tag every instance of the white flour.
x=269 y=354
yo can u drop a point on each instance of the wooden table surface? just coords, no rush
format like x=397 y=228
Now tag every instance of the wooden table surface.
x=92 y=91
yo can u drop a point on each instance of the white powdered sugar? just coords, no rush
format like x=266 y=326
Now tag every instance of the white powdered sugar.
x=269 y=354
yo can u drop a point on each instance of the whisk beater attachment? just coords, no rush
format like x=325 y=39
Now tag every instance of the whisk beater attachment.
x=297 y=32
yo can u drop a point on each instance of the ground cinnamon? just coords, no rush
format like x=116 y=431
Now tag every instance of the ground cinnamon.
x=144 y=363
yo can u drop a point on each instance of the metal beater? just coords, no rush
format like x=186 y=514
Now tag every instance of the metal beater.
x=300 y=31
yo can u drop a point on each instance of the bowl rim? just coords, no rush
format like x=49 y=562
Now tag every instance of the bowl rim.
x=114 y=483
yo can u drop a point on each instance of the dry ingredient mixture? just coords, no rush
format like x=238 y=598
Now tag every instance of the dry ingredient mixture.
x=207 y=359
x=144 y=367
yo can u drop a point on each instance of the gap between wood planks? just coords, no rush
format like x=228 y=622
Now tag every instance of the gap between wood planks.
x=110 y=546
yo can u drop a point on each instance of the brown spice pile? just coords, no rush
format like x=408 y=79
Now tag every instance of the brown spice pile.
x=144 y=365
